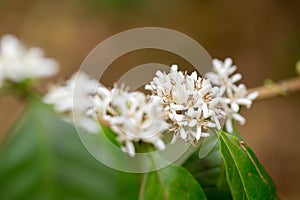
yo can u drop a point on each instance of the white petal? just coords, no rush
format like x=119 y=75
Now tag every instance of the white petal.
x=236 y=77
x=235 y=107
x=253 y=95
x=178 y=117
x=215 y=101
x=205 y=134
x=159 y=74
x=159 y=144
x=244 y=101
x=205 y=110
x=198 y=133
x=176 y=106
x=228 y=62
x=190 y=112
x=222 y=91
x=90 y=125
x=210 y=125
x=11 y=47
x=213 y=77
x=130 y=148
x=229 y=127
x=239 y=118
x=226 y=100
x=118 y=120
x=193 y=123
x=182 y=123
x=148 y=87
x=182 y=133
x=217 y=64
x=217 y=122
x=232 y=69
x=194 y=75
x=174 y=68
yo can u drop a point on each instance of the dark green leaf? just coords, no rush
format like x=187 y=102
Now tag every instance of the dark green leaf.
x=43 y=158
x=173 y=182
x=210 y=173
x=246 y=177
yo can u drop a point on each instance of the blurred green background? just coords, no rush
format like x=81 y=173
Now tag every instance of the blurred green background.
x=263 y=38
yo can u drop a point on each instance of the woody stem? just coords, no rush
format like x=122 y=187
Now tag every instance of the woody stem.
x=281 y=88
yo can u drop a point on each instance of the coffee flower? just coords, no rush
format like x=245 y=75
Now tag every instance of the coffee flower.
x=192 y=105
x=75 y=98
x=133 y=116
x=18 y=63
x=222 y=75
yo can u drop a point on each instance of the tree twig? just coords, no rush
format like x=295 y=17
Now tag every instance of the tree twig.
x=282 y=88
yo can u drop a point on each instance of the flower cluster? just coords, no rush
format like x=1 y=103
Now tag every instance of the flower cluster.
x=222 y=75
x=186 y=104
x=191 y=103
x=18 y=63
x=133 y=116
x=75 y=98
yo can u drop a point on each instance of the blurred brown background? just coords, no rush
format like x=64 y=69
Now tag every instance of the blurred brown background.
x=263 y=38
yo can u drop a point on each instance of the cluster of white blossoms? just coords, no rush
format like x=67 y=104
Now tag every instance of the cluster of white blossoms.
x=186 y=104
x=191 y=103
x=222 y=75
x=18 y=63
x=133 y=116
x=77 y=103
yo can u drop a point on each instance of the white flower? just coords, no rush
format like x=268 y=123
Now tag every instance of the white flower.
x=234 y=95
x=18 y=63
x=132 y=116
x=240 y=98
x=75 y=98
x=191 y=103
x=102 y=102
x=222 y=74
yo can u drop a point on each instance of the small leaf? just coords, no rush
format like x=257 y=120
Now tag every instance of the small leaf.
x=173 y=182
x=246 y=177
x=43 y=158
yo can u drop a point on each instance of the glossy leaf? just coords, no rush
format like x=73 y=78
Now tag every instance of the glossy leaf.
x=210 y=173
x=43 y=158
x=173 y=182
x=246 y=177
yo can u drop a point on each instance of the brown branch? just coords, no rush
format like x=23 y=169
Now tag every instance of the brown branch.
x=282 y=88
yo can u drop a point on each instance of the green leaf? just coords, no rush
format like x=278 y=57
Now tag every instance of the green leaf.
x=246 y=177
x=43 y=158
x=173 y=182
x=210 y=173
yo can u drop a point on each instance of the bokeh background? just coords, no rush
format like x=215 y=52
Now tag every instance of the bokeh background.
x=263 y=38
